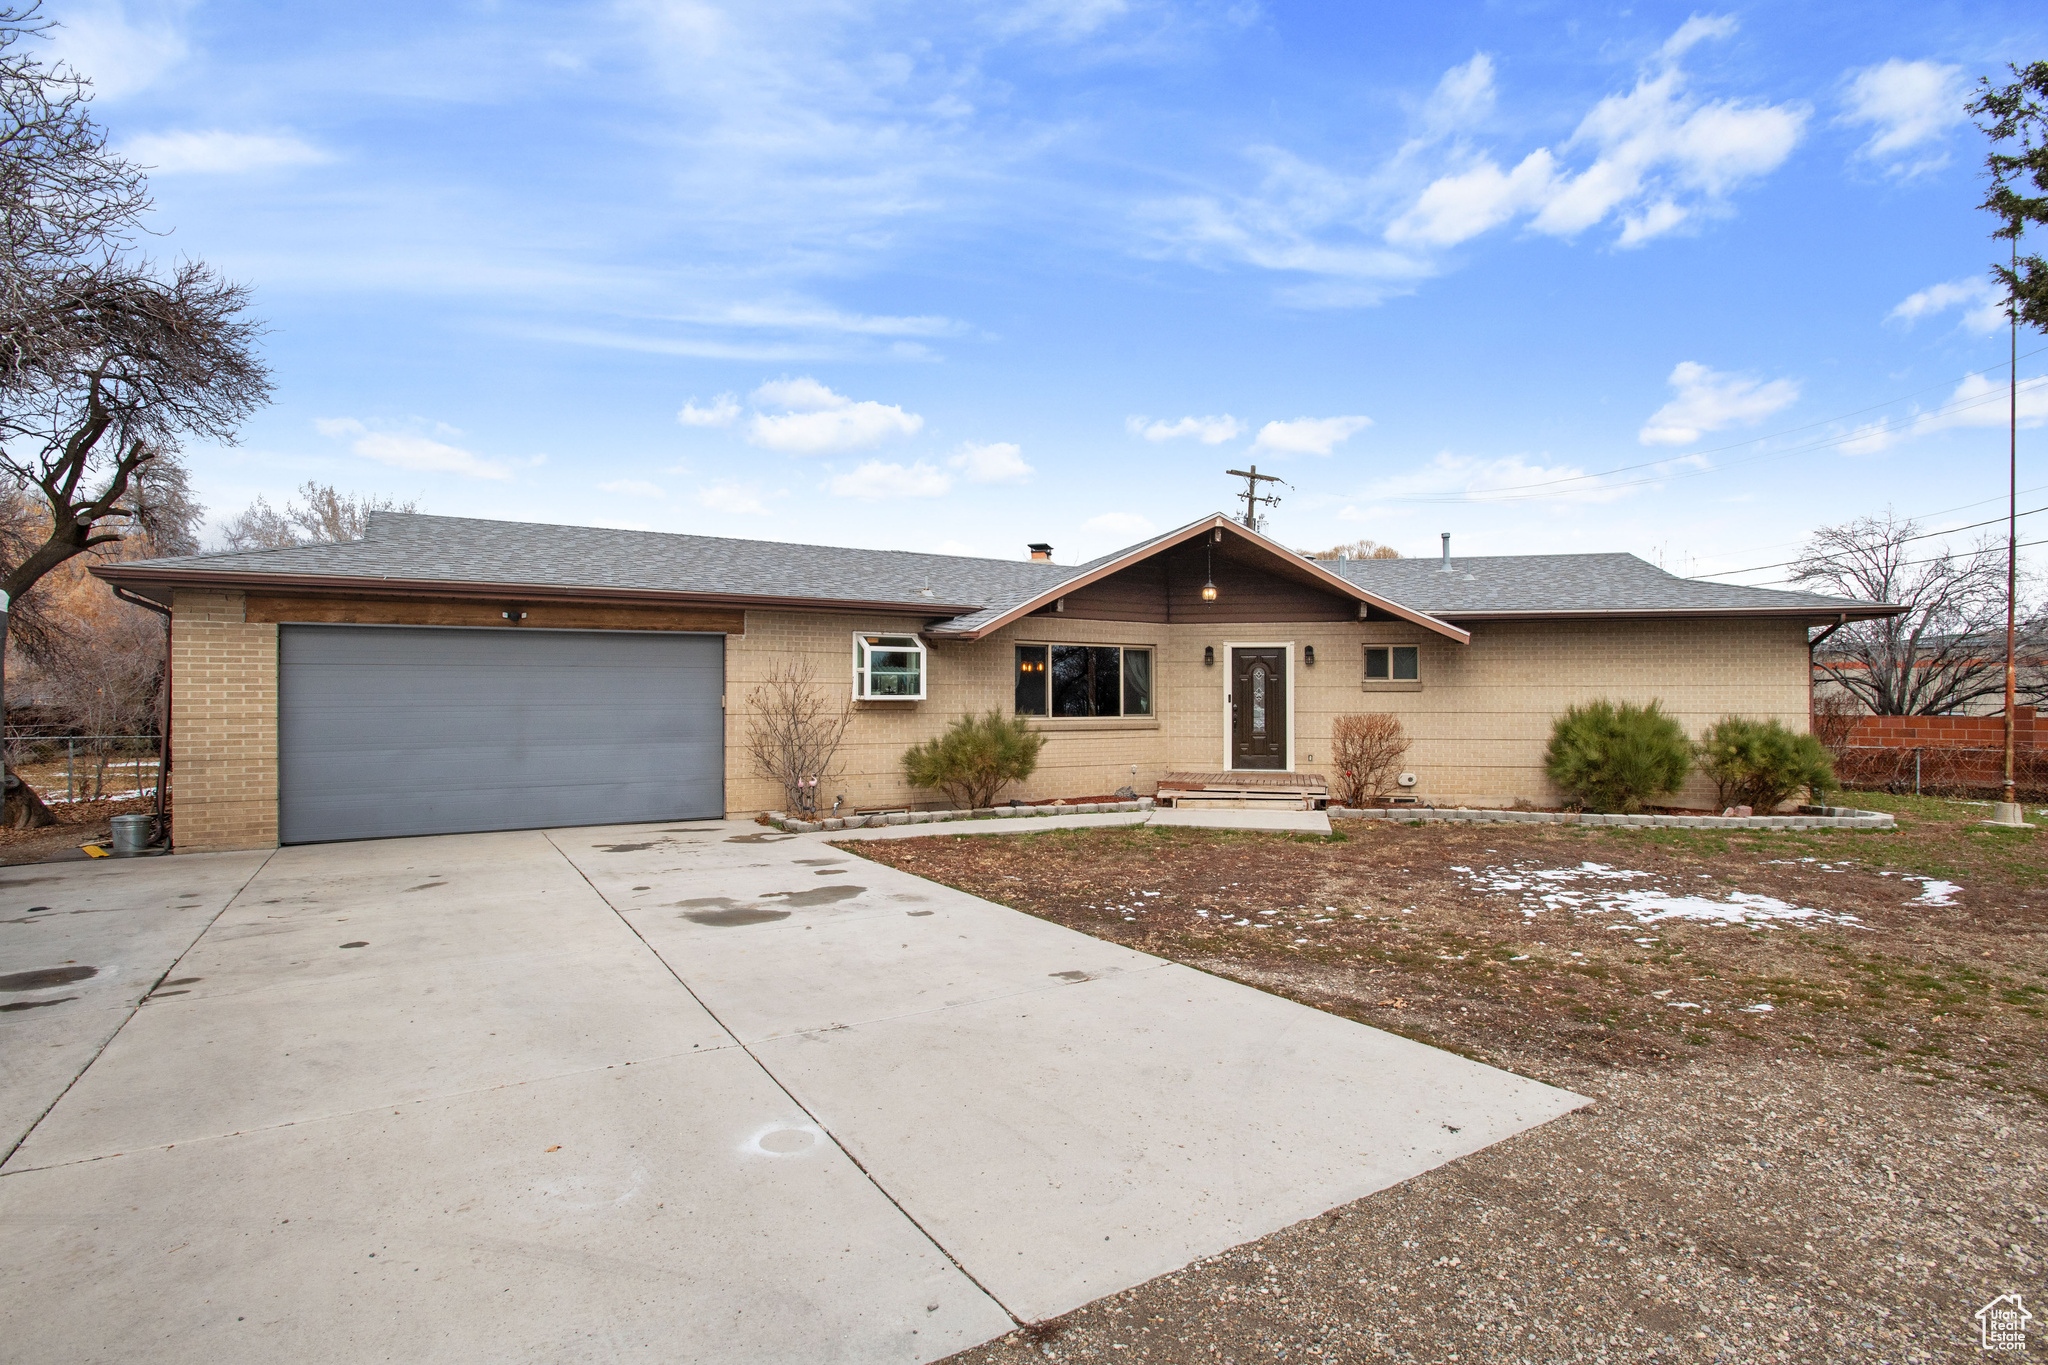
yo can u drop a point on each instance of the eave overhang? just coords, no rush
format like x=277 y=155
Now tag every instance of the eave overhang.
x=1862 y=611
x=159 y=584
x=1139 y=554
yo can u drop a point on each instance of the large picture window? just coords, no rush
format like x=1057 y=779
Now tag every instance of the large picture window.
x=888 y=668
x=1083 y=680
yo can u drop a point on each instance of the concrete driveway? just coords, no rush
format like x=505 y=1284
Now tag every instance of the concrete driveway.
x=694 y=1092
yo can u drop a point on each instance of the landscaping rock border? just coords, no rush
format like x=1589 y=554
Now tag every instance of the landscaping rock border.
x=782 y=821
x=1807 y=817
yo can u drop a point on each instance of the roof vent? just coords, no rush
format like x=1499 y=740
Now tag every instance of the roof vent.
x=1040 y=551
x=1447 y=551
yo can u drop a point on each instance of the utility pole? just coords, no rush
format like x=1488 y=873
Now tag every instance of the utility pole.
x=1251 y=495
x=2008 y=812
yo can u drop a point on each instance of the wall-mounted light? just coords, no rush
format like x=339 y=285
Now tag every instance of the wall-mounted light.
x=1308 y=656
x=1208 y=656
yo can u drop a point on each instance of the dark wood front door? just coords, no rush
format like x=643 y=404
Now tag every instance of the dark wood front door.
x=1258 y=708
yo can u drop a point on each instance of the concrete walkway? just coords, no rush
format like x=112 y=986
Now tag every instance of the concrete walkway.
x=704 y=1093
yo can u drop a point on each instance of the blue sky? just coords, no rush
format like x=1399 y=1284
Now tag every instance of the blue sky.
x=961 y=276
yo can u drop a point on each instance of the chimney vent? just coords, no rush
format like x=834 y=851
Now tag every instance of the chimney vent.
x=1041 y=551
x=1447 y=551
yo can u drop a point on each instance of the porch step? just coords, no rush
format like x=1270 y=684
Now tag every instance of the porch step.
x=1243 y=791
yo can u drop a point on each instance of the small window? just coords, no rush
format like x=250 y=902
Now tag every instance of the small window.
x=1083 y=680
x=1393 y=663
x=888 y=668
x=1031 y=680
x=1137 y=682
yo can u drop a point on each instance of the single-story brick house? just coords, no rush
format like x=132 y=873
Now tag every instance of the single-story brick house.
x=445 y=674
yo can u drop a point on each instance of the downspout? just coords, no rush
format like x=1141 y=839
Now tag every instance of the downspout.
x=160 y=828
x=1812 y=645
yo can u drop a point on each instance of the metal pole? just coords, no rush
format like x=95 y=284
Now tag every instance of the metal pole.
x=2012 y=562
x=70 y=761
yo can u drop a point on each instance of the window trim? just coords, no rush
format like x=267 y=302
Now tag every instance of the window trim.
x=865 y=642
x=1050 y=720
x=1390 y=683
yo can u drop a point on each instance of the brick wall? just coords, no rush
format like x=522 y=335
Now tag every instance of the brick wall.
x=1960 y=732
x=1479 y=720
x=223 y=725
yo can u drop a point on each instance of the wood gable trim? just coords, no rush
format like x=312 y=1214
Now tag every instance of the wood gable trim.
x=1149 y=549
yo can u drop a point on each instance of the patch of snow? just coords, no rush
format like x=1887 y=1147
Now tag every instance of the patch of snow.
x=1590 y=887
x=1756 y=1009
x=1934 y=891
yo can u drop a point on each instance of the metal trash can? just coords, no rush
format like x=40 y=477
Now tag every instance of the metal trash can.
x=131 y=835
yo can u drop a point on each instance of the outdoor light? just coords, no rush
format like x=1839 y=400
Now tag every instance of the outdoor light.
x=1208 y=656
x=1308 y=655
x=1209 y=588
x=1208 y=592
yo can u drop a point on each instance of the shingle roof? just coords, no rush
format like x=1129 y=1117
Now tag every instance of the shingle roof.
x=418 y=548
x=412 y=547
x=1550 y=584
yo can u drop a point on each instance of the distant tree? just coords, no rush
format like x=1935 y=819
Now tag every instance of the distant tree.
x=2016 y=117
x=106 y=362
x=1937 y=656
x=1358 y=549
x=326 y=517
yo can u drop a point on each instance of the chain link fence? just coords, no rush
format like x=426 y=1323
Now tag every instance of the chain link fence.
x=71 y=768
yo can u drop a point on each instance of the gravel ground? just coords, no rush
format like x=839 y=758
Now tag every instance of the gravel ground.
x=1846 y=1176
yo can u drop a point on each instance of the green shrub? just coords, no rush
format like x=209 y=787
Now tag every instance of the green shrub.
x=975 y=759
x=1612 y=758
x=1758 y=763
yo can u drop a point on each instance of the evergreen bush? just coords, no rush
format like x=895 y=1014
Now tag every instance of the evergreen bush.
x=1760 y=764
x=975 y=759
x=1612 y=759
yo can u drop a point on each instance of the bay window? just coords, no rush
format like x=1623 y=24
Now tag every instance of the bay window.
x=888 y=667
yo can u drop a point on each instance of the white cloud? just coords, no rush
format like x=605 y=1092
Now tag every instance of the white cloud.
x=877 y=480
x=121 y=56
x=802 y=394
x=724 y=410
x=1708 y=400
x=1462 y=97
x=1208 y=430
x=1982 y=304
x=733 y=499
x=1907 y=105
x=998 y=462
x=1119 y=524
x=409 y=450
x=1698 y=29
x=1660 y=158
x=821 y=422
x=1308 y=435
x=222 y=153
x=1505 y=479
x=632 y=488
x=1979 y=401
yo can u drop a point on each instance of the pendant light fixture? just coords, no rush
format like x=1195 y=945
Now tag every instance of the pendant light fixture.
x=1209 y=587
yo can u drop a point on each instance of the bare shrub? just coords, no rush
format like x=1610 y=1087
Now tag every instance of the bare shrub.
x=793 y=734
x=1369 y=749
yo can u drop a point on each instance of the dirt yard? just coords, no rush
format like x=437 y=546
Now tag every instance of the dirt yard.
x=81 y=822
x=1820 y=1128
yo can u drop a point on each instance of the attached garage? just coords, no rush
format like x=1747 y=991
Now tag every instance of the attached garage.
x=404 y=730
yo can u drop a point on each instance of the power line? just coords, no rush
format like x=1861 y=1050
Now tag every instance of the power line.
x=1925 y=535
x=1904 y=564
x=1917 y=516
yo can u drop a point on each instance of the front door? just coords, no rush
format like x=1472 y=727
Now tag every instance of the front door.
x=1258 y=708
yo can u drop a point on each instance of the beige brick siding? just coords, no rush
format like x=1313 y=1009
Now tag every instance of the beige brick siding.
x=223 y=725
x=1479 y=722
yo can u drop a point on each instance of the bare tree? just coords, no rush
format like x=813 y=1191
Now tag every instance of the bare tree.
x=106 y=363
x=326 y=517
x=1368 y=749
x=1357 y=549
x=1936 y=656
x=793 y=734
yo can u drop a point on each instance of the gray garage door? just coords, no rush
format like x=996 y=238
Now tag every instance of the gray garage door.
x=391 y=730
